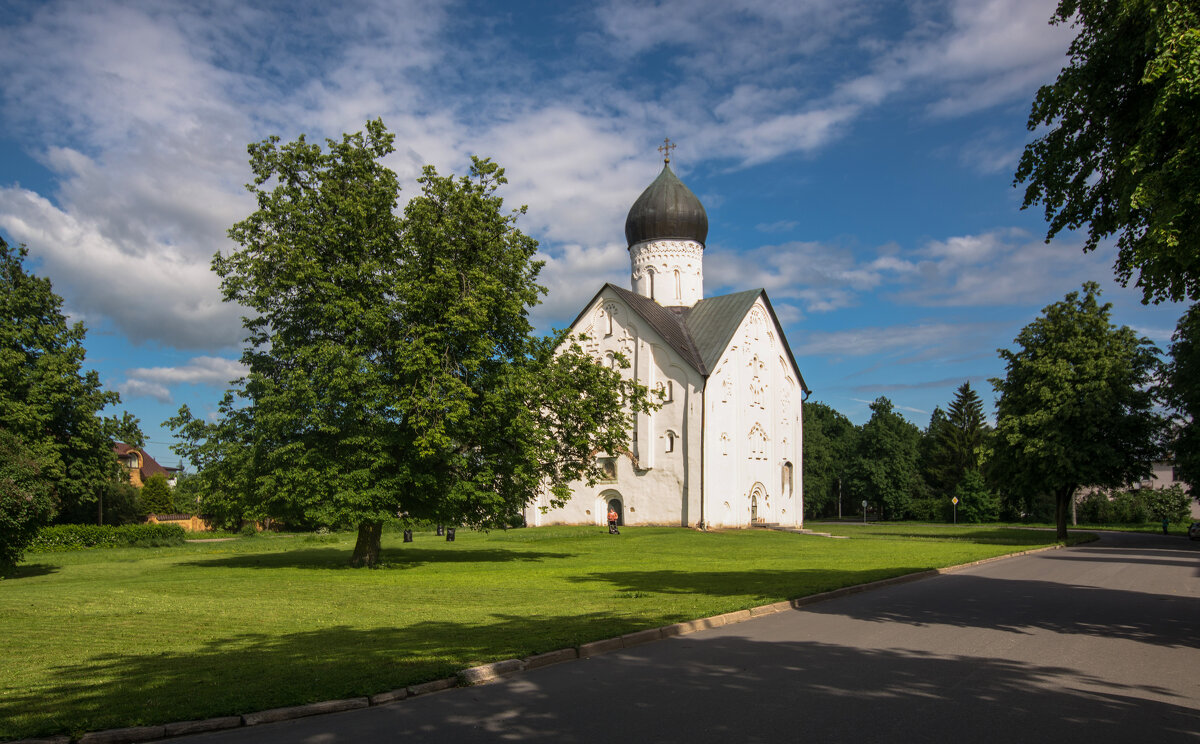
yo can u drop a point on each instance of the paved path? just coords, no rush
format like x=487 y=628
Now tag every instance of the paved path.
x=1099 y=642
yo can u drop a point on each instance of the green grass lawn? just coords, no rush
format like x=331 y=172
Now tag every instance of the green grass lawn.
x=105 y=638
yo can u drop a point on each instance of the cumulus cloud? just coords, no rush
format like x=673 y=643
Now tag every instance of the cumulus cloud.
x=142 y=389
x=1000 y=267
x=817 y=276
x=155 y=382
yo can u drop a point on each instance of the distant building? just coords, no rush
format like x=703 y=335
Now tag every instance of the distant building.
x=140 y=465
x=725 y=448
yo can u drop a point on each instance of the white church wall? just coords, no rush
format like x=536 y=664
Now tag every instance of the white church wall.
x=753 y=422
x=654 y=485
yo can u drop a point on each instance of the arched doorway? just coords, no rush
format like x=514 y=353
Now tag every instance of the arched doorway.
x=760 y=505
x=611 y=500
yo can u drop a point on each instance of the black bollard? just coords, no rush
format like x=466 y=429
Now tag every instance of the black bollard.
x=408 y=536
x=449 y=534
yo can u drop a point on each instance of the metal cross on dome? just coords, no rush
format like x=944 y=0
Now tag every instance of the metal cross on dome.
x=665 y=148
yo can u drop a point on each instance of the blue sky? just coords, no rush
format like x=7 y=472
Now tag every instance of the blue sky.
x=855 y=158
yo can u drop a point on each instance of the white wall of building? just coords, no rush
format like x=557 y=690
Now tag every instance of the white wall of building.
x=658 y=480
x=753 y=429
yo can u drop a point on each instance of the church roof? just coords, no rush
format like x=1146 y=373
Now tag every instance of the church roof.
x=666 y=209
x=669 y=324
x=701 y=333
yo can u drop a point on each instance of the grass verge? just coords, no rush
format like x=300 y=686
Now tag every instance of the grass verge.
x=119 y=637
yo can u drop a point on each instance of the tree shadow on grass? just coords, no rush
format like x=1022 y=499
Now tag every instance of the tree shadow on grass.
x=337 y=558
x=998 y=536
x=764 y=585
x=256 y=671
x=30 y=570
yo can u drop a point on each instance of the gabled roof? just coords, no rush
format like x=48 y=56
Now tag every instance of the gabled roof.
x=666 y=322
x=149 y=465
x=714 y=320
x=700 y=334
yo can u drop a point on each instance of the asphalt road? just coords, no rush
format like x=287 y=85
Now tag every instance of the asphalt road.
x=1098 y=642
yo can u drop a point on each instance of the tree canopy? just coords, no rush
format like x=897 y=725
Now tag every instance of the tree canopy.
x=829 y=440
x=47 y=401
x=392 y=368
x=1122 y=154
x=1076 y=406
x=955 y=441
x=886 y=468
x=1182 y=392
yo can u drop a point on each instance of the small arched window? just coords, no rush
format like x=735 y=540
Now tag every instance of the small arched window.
x=678 y=293
x=650 y=281
x=670 y=441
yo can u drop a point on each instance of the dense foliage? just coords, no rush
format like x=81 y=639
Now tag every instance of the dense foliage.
x=1122 y=153
x=80 y=536
x=26 y=499
x=829 y=441
x=391 y=364
x=1182 y=393
x=954 y=442
x=47 y=400
x=1076 y=406
x=885 y=469
x=156 y=495
x=1129 y=506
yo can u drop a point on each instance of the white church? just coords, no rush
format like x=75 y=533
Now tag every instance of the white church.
x=725 y=448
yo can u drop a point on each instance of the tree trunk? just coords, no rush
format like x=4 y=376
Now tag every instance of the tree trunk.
x=366 y=550
x=1061 y=499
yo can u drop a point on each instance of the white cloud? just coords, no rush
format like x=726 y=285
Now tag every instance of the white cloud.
x=142 y=389
x=201 y=370
x=818 y=276
x=868 y=341
x=155 y=382
x=1000 y=267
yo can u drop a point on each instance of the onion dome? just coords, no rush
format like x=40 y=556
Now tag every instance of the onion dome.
x=666 y=210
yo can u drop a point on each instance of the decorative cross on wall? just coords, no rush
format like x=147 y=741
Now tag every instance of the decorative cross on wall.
x=665 y=148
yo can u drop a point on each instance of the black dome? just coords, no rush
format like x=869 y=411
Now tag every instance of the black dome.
x=666 y=210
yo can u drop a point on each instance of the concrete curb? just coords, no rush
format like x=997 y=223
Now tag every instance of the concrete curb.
x=491 y=672
x=301 y=711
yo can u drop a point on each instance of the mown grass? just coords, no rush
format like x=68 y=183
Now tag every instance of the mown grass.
x=118 y=637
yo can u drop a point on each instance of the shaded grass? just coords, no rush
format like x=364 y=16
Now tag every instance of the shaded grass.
x=100 y=639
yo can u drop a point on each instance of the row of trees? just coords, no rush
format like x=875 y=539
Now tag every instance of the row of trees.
x=56 y=456
x=1082 y=403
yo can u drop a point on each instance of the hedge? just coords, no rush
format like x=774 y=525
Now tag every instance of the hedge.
x=81 y=536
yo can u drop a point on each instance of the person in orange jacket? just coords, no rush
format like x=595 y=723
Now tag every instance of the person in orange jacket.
x=612 y=521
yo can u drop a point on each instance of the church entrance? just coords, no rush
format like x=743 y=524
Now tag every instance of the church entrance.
x=607 y=500
x=615 y=505
x=760 y=505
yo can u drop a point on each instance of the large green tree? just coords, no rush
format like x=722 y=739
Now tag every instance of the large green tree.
x=1122 y=150
x=1182 y=392
x=47 y=400
x=392 y=368
x=828 y=447
x=885 y=469
x=1076 y=406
